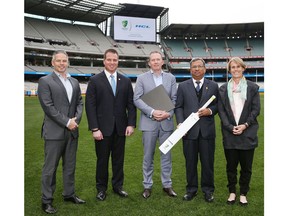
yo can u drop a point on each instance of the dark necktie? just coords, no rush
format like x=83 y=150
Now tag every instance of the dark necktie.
x=198 y=86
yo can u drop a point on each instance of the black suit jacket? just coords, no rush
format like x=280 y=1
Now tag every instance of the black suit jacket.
x=248 y=139
x=187 y=102
x=104 y=110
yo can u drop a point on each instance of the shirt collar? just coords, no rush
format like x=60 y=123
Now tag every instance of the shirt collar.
x=59 y=75
x=152 y=72
x=201 y=80
x=109 y=74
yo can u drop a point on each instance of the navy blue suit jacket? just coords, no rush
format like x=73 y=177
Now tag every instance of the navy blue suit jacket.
x=187 y=102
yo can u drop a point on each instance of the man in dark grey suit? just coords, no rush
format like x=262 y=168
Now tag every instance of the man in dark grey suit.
x=155 y=124
x=192 y=94
x=60 y=98
x=111 y=117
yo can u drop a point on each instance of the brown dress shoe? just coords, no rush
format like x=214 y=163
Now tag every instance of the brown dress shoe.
x=170 y=192
x=146 y=193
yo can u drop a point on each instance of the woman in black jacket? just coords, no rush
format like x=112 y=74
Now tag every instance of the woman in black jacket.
x=238 y=108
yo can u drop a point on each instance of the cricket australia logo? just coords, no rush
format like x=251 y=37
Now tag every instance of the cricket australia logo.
x=126 y=25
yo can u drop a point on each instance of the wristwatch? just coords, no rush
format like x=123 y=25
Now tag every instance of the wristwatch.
x=95 y=130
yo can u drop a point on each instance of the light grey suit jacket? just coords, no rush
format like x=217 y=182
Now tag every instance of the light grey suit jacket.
x=144 y=84
x=56 y=106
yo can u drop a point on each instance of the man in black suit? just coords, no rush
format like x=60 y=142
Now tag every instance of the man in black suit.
x=192 y=94
x=111 y=117
x=60 y=98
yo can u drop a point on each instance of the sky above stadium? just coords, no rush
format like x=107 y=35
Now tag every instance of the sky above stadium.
x=208 y=11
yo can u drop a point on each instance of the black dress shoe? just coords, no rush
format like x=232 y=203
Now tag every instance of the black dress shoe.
x=101 y=195
x=231 y=202
x=48 y=208
x=189 y=196
x=146 y=193
x=243 y=203
x=209 y=197
x=170 y=192
x=75 y=200
x=120 y=192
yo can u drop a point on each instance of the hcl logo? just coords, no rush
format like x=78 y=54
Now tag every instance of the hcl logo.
x=142 y=26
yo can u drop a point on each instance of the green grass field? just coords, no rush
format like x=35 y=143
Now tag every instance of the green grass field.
x=159 y=203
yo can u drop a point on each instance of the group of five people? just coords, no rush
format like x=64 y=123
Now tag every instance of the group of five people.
x=111 y=113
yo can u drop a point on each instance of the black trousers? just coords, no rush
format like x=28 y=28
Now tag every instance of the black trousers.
x=113 y=145
x=205 y=148
x=233 y=158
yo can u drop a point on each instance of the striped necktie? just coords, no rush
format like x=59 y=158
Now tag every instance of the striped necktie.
x=198 y=86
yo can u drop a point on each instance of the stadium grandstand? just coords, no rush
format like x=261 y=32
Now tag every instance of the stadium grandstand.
x=86 y=28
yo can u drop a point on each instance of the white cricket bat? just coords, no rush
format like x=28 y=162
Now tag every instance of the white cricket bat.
x=183 y=129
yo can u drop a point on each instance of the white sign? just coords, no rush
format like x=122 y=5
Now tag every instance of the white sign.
x=134 y=29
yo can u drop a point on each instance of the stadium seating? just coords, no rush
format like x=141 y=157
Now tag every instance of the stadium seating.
x=78 y=38
x=218 y=48
x=199 y=48
x=238 y=47
x=87 y=45
x=257 y=46
x=177 y=48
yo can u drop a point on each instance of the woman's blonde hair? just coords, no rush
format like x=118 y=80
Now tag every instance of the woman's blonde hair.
x=237 y=60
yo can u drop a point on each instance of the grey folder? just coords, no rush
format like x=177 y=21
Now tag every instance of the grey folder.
x=158 y=99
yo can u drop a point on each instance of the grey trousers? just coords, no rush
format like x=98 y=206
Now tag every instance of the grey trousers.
x=149 y=139
x=54 y=150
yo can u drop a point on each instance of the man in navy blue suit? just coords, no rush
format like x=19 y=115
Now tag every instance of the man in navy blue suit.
x=192 y=94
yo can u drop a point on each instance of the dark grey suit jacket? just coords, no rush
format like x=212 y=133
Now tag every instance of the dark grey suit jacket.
x=104 y=110
x=187 y=102
x=55 y=104
x=248 y=139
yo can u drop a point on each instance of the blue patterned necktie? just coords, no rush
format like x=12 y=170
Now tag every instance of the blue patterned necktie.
x=113 y=84
x=198 y=86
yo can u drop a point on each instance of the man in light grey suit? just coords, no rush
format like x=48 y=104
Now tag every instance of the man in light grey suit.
x=155 y=124
x=61 y=100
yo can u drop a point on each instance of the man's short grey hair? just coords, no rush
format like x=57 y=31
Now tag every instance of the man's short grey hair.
x=57 y=52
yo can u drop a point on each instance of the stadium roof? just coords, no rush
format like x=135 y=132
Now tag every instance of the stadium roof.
x=144 y=11
x=213 y=30
x=76 y=10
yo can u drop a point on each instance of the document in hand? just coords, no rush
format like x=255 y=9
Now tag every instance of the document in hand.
x=183 y=129
x=158 y=99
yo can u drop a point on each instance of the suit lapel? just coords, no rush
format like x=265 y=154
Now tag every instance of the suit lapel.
x=191 y=88
x=227 y=105
x=165 y=80
x=151 y=80
x=245 y=107
x=58 y=81
x=205 y=89
x=107 y=82
x=118 y=83
x=73 y=84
